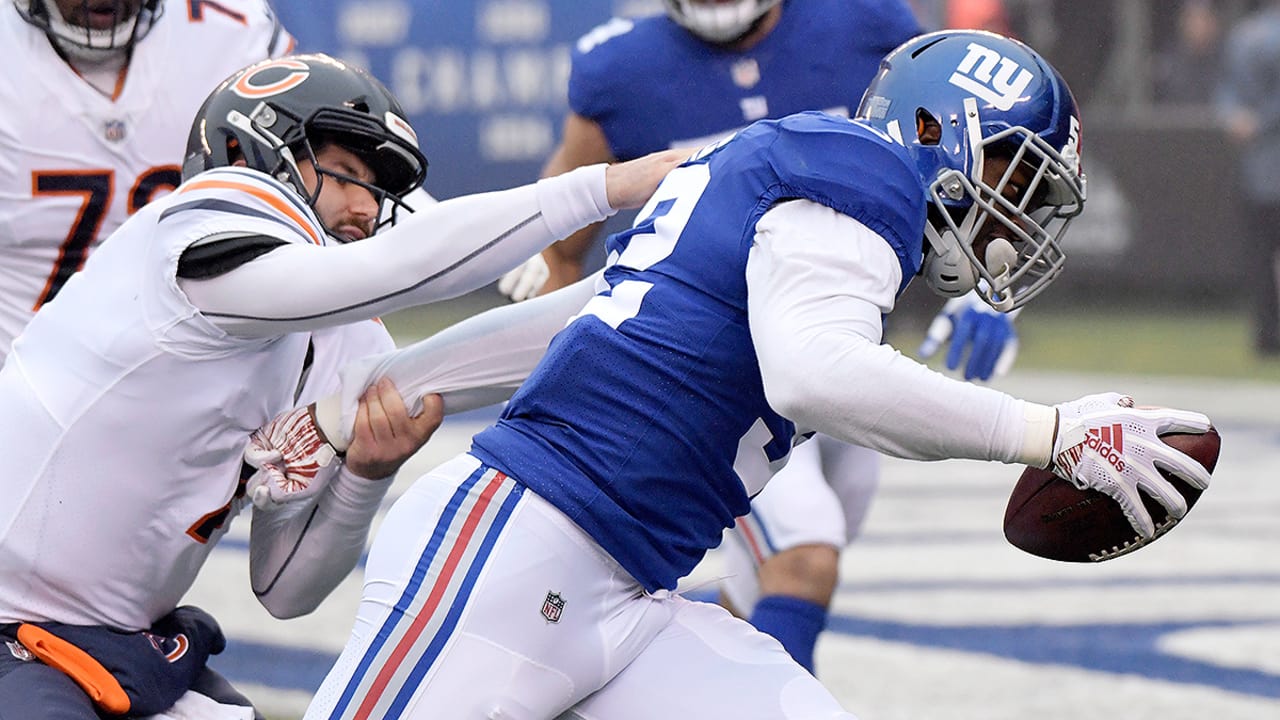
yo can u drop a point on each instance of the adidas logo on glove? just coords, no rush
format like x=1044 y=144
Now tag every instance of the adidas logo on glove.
x=1109 y=443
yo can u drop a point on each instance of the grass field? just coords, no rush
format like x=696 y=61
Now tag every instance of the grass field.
x=1146 y=340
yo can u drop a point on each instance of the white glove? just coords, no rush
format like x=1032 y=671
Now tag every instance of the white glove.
x=970 y=323
x=1105 y=443
x=293 y=458
x=526 y=280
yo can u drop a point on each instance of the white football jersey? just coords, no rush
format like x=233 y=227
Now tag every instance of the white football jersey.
x=74 y=163
x=124 y=413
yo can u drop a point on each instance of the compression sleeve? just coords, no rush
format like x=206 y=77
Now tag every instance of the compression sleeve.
x=299 y=552
x=818 y=284
x=477 y=362
x=439 y=252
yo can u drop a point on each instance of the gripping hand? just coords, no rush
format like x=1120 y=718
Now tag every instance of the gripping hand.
x=526 y=280
x=969 y=323
x=293 y=458
x=1104 y=443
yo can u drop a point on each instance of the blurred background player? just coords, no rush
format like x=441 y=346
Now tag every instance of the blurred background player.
x=710 y=69
x=97 y=119
x=1249 y=101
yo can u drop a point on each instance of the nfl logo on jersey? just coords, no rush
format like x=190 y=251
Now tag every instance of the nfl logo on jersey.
x=113 y=130
x=552 y=607
x=746 y=73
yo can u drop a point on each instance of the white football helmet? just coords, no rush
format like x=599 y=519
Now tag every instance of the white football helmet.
x=718 y=21
x=92 y=31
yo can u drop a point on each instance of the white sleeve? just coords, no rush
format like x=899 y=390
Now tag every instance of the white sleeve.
x=441 y=251
x=299 y=552
x=818 y=283
x=477 y=362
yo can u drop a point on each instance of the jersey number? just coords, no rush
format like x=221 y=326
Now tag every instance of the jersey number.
x=651 y=240
x=95 y=189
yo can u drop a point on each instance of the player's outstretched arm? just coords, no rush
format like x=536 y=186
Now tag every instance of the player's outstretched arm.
x=814 y=309
x=441 y=252
x=510 y=339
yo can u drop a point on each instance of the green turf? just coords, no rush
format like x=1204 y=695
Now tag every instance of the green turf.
x=1206 y=343
x=1148 y=340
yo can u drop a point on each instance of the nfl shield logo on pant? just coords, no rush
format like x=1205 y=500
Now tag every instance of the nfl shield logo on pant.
x=552 y=607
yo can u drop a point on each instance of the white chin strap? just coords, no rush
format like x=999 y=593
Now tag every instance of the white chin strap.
x=949 y=272
x=81 y=43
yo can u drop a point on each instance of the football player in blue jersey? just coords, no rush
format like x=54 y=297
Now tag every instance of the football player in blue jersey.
x=532 y=576
x=738 y=62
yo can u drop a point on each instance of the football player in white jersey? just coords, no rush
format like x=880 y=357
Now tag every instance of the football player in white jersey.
x=532 y=576
x=96 y=121
x=126 y=405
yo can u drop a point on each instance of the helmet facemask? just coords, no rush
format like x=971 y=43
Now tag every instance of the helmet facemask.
x=398 y=166
x=81 y=42
x=983 y=105
x=1020 y=226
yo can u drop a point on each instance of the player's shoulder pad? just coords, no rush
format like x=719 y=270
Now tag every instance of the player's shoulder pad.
x=603 y=63
x=600 y=34
x=857 y=170
x=611 y=49
x=238 y=193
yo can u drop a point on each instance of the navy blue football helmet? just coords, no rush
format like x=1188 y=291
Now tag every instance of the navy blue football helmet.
x=276 y=112
x=955 y=99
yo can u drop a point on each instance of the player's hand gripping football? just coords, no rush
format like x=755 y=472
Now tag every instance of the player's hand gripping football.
x=1105 y=443
x=973 y=325
x=294 y=459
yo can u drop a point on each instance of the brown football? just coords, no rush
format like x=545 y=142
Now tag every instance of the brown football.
x=1049 y=517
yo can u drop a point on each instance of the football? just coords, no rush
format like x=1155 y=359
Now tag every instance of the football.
x=1049 y=517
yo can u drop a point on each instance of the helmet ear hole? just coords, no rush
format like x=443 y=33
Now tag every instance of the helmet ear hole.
x=235 y=154
x=928 y=129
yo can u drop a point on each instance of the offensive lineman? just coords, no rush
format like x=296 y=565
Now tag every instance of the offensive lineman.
x=125 y=406
x=97 y=120
x=531 y=577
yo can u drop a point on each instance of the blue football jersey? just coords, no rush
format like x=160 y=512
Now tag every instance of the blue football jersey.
x=651 y=85
x=633 y=421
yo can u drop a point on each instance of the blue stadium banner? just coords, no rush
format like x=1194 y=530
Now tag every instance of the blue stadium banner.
x=483 y=81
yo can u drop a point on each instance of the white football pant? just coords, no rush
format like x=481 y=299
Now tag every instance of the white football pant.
x=481 y=600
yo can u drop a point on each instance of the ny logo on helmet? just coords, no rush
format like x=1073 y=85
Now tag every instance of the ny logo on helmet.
x=990 y=77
